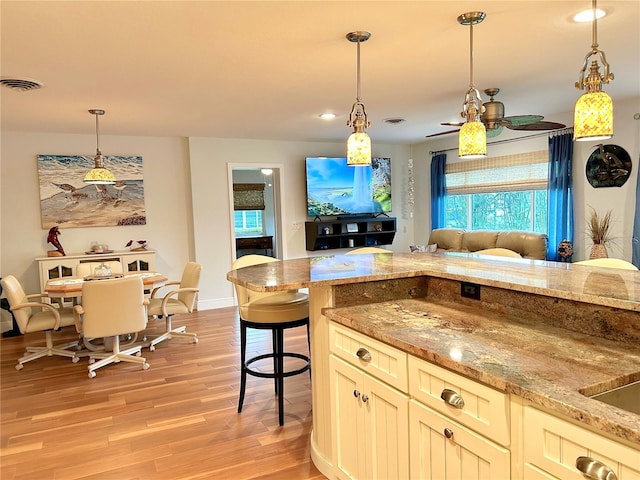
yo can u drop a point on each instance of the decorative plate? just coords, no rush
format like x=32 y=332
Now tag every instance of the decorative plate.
x=608 y=166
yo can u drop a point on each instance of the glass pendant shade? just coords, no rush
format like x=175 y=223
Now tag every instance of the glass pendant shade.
x=359 y=149
x=472 y=140
x=593 y=117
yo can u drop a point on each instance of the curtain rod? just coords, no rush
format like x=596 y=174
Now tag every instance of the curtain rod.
x=509 y=140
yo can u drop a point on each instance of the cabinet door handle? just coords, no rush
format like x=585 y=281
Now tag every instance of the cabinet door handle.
x=448 y=432
x=365 y=398
x=356 y=393
x=452 y=398
x=594 y=469
x=363 y=354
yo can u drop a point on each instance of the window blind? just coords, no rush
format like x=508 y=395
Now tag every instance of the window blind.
x=248 y=196
x=509 y=173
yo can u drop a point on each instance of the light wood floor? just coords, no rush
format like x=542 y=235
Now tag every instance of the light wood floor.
x=177 y=420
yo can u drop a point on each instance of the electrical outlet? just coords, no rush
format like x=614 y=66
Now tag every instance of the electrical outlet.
x=470 y=290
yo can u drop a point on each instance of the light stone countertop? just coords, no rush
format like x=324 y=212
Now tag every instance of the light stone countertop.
x=600 y=286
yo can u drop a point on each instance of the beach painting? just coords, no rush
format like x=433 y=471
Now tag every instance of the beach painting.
x=67 y=202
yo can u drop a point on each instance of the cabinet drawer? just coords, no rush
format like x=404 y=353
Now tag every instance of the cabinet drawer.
x=553 y=445
x=485 y=409
x=383 y=362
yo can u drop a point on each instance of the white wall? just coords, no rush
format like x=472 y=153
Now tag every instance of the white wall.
x=620 y=200
x=209 y=158
x=167 y=202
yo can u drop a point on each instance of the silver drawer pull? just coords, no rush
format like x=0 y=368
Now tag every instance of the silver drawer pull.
x=356 y=393
x=452 y=398
x=365 y=398
x=448 y=432
x=363 y=354
x=594 y=469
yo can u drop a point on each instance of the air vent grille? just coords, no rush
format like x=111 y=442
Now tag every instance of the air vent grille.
x=20 y=84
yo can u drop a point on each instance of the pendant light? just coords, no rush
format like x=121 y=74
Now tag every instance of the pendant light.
x=593 y=114
x=359 y=143
x=99 y=175
x=472 y=139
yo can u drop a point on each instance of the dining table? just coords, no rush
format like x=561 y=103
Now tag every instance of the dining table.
x=71 y=287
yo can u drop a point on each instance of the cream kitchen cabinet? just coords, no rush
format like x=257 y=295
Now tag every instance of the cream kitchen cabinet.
x=552 y=447
x=458 y=428
x=441 y=449
x=370 y=433
x=370 y=429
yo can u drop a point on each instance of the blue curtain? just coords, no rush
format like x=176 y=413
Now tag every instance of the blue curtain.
x=438 y=190
x=635 y=240
x=560 y=193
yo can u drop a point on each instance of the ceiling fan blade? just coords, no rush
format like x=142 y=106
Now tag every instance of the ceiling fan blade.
x=494 y=132
x=442 y=133
x=518 y=120
x=539 y=126
x=452 y=124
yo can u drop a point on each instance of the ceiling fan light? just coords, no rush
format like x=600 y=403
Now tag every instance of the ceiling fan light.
x=593 y=117
x=359 y=149
x=472 y=140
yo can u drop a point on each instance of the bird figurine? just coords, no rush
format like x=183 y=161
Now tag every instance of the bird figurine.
x=142 y=245
x=52 y=238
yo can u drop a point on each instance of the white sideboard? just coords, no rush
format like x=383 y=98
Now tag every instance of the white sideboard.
x=58 y=267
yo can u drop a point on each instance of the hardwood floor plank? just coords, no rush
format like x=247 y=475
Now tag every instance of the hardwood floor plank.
x=177 y=420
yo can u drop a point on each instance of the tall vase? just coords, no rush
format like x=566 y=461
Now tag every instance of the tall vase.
x=598 y=250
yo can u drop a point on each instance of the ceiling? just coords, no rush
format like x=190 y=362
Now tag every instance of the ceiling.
x=267 y=69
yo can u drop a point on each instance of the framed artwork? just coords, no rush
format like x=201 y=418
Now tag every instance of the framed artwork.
x=67 y=202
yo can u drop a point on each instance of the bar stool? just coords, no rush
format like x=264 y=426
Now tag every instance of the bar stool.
x=275 y=311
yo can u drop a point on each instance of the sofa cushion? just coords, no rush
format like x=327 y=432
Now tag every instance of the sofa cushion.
x=447 y=238
x=527 y=244
x=479 y=240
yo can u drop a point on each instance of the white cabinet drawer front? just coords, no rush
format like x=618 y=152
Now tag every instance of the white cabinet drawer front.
x=386 y=363
x=485 y=409
x=465 y=455
x=553 y=445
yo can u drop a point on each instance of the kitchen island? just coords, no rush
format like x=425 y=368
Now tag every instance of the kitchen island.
x=545 y=335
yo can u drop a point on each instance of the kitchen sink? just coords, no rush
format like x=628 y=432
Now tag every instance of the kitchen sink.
x=626 y=397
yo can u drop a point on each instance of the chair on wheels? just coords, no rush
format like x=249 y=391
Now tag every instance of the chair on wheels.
x=275 y=311
x=177 y=301
x=29 y=319
x=111 y=308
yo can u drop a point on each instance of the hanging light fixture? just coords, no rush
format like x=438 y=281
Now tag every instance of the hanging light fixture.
x=593 y=114
x=359 y=143
x=99 y=175
x=472 y=139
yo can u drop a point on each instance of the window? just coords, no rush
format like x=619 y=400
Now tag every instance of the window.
x=500 y=193
x=248 y=222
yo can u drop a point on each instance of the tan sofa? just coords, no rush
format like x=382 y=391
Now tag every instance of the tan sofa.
x=526 y=244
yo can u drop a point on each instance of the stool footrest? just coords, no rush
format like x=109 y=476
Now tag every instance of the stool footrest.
x=288 y=373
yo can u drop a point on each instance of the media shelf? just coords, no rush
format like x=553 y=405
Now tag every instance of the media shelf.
x=363 y=232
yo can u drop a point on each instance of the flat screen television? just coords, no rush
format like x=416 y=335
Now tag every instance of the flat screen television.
x=335 y=188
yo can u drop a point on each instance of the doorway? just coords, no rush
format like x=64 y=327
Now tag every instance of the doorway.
x=256 y=229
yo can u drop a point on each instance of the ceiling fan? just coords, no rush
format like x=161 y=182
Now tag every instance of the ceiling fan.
x=495 y=121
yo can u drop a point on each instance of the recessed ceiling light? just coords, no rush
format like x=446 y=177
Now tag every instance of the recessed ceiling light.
x=327 y=116
x=587 y=15
x=394 y=120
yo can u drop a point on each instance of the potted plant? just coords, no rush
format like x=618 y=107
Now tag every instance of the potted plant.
x=599 y=230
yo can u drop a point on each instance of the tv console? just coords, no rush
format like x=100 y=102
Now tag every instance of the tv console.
x=345 y=232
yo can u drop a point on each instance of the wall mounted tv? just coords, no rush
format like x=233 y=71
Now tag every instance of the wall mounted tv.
x=335 y=188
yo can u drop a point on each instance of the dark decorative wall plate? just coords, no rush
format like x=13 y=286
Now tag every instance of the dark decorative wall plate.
x=608 y=166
